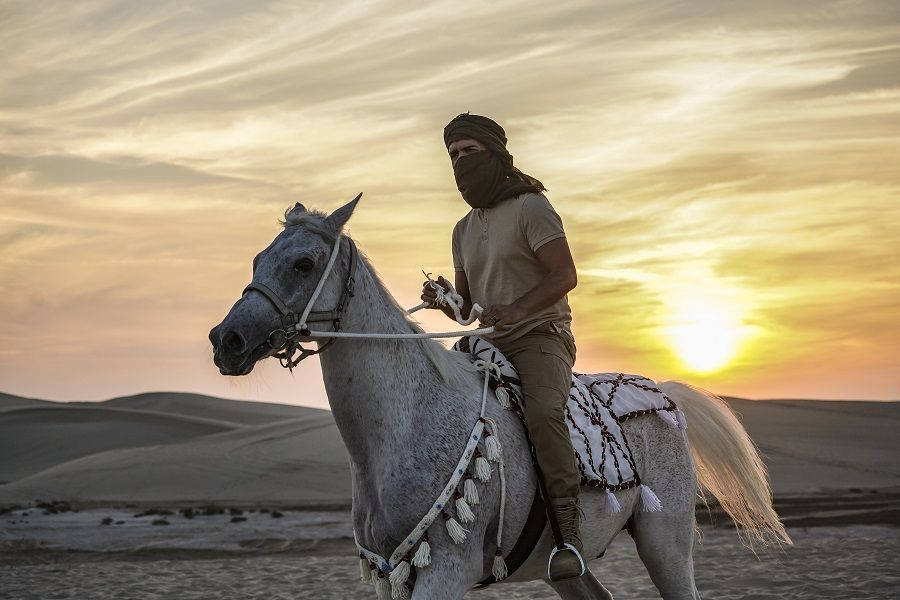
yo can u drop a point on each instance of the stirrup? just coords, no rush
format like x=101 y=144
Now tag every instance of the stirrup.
x=556 y=551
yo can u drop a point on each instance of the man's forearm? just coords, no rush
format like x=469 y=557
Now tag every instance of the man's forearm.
x=554 y=286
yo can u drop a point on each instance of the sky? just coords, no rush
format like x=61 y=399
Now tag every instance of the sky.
x=727 y=173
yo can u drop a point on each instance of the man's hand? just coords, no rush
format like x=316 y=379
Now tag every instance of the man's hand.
x=429 y=294
x=499 y=315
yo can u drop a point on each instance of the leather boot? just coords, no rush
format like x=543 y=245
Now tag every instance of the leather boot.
x=565 y=564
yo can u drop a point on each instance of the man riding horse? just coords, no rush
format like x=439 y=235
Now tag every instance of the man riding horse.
x=510 y=256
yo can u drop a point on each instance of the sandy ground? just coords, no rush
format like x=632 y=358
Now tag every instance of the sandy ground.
x=834 y=468
x=859 y=562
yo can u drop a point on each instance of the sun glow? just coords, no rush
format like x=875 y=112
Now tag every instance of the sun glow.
x=704 y=334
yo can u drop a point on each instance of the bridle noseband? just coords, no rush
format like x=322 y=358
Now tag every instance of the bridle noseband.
x=294 y=325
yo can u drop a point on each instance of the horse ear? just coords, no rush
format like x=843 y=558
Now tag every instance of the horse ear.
x=336 y=220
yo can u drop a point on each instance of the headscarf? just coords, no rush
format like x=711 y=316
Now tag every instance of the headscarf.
x=485 y=178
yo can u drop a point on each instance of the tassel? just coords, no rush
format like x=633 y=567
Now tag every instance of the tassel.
x=482 y=467
x=398 y=579
x=612 y=504
x=492 y=446
x=463 y=511
x=382 y=587
x=503 y=397
x=456 y=531
x=668 y=417
x=365 y=569
x=649 y=501
x=422 y=557
x=499 y=571
x=682 y=421
x=470 y=490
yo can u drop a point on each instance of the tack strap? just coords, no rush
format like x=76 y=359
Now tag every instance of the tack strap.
x=527 y=541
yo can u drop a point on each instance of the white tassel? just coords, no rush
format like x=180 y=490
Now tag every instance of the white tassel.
x=482 y=468
x=499 y=571
x=649 y=501
x=682 y=421
x=503 y=397
x=470 y=491
x=668 y=417
x=422 y=557
x=456 y=531
x=365 y=570
x=612 y=504
x=492 y=446
x=382 y=587
x=463 y=511
x=398 y=579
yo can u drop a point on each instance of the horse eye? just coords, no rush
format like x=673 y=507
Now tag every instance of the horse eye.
x=304 y=265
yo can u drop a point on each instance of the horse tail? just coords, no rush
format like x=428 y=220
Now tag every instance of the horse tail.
x=728 y=463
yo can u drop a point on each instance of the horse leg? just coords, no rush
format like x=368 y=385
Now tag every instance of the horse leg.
x=665 y=539
x=586 y=587
x=665 y=543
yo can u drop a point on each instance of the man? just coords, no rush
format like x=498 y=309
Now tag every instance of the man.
x=510 y=256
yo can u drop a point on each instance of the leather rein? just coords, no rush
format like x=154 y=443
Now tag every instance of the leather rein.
x=284 y=340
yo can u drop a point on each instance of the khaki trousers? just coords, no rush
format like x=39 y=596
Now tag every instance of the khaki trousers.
x=544 y=358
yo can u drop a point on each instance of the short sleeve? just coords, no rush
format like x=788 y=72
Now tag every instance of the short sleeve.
x=455 y=250
x=540 y=223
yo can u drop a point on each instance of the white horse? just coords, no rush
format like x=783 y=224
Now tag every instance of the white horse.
x=405 y=410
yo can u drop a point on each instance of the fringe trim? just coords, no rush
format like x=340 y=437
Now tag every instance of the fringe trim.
x=482 y=468
x=649 y=500
x=499 y=570
x=398 y=579
x=669 y=417
x=454 y=529
x=503 y=397
x=612 y=505
x=422 y=557
x=492 y=448
x=463 y=511
x=682 y=421
x=382 y=587
x=365 y=569
x=470 y=492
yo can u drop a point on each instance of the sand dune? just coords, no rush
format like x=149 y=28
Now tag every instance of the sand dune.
x=34 y=439
x=169 y=447
x=296 y=461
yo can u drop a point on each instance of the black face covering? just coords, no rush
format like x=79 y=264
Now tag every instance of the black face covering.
x=483 y=180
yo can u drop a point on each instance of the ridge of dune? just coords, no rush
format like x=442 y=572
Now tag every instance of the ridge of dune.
x=38 y=437
x=200 y=405
x=297 y=461
x=13 y=402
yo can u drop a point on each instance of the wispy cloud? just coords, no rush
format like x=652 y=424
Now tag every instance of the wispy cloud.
x=742 y=153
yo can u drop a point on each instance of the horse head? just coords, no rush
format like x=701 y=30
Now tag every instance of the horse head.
x=266 y=319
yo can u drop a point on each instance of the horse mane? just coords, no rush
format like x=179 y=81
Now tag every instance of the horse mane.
x=454 y=368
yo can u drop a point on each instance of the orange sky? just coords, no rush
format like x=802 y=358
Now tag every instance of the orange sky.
x=727 y=173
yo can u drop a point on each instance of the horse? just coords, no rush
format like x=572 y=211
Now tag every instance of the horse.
x=405 y=409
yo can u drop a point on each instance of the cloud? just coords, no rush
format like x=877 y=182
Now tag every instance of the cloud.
x=146 y=151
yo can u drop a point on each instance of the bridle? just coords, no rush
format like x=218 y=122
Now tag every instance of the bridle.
x=284 y=339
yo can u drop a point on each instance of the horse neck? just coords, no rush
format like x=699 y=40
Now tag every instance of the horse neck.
x=382 y=393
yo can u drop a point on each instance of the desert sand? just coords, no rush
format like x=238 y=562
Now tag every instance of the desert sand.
x=254 y=497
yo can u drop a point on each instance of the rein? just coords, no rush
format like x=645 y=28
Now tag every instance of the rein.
x=285 y=340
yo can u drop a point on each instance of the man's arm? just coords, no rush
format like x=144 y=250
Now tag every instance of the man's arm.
x=560 y=279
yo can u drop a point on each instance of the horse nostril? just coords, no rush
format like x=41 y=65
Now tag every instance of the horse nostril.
x=233 y=342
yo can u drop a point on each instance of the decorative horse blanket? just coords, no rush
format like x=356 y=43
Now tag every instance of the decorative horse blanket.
x=598 y=405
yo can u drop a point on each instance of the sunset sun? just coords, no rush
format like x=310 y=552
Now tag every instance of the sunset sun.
x=704 y=335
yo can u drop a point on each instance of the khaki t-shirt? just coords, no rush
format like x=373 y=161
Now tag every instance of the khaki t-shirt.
x=495 y=248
